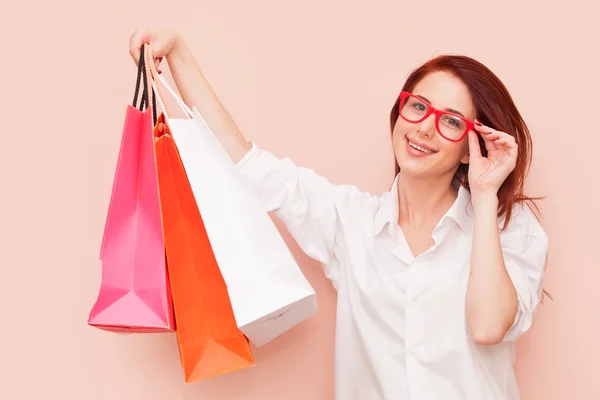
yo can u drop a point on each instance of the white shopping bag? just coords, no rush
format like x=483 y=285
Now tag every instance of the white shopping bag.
x=268 y=292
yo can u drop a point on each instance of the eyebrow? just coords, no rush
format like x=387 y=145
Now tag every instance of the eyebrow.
x=446 y=109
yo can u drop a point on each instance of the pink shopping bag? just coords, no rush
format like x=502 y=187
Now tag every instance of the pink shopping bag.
x=135 y=293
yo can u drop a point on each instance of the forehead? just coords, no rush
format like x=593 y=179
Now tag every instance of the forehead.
x=444 y=91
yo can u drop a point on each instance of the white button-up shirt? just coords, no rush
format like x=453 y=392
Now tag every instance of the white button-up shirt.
x=401 y=331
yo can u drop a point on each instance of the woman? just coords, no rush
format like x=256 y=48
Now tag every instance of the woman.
x=437 y=278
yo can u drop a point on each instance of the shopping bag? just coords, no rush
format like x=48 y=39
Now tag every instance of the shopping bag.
x=209 y=341
x=267 y=289
x=134 y=293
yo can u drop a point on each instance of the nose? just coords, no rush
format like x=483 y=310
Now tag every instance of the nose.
x=427 y=126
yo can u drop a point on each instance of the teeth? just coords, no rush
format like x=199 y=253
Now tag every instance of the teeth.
x=414 y=146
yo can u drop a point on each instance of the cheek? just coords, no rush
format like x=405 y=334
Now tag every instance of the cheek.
x=454 y=151
x=400 y=131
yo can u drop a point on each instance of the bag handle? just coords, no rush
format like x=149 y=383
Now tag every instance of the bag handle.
x=147 y=95
x=186 y=110
x=140 y=66
x=163 y=83
x=160 y=101
x=152 y=74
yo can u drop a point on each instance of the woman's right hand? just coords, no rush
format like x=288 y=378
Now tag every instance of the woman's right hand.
x=193 y=87
x=162 y=41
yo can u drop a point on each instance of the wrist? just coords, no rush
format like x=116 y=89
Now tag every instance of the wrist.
x=178 y=48
x=484 y=200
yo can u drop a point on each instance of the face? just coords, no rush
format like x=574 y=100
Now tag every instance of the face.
x=419 y=148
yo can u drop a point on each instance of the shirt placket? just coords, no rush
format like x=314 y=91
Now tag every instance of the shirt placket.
x=413 y=325
x=416 y=284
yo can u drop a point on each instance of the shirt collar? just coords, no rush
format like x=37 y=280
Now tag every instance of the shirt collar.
x=460 y=213
x=388 y=210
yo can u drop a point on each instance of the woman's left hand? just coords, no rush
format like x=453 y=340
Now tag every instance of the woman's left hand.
x=488 y=173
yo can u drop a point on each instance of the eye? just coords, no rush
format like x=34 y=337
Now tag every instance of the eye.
x=452 y=121
x=418 y=106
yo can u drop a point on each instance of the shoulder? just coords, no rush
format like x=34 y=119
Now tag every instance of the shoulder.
x=355 y=200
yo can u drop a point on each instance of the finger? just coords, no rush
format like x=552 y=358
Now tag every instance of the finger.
x=498 y=135
x=151 y=59
x=510 y=144
x=481 y=128
x=157 y=62
x=509 y=147
x=135 y=54
x=488 y=134
x=489 y=142
x=474 y=149
x=134 y=48
x=136 y=40
x=491 y=133
x=503 y=139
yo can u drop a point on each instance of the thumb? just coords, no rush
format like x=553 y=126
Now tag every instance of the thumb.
x=474 y=149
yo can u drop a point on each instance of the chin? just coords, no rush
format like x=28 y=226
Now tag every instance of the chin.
x=409 y=169
x=418 y=164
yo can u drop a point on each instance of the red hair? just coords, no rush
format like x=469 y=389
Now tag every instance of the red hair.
x=495 y=108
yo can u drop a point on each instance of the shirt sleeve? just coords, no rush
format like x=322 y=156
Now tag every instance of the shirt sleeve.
x=524 y=247
x=308 y=204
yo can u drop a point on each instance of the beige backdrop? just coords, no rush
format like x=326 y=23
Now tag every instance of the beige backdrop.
x=313 y=80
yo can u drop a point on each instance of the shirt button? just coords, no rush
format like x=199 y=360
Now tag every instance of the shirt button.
x=414 y=350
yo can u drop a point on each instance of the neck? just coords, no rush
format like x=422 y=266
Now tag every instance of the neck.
x=422 y=200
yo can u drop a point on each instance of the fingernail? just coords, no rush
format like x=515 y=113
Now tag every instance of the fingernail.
x=159 y=71
x=477 y=122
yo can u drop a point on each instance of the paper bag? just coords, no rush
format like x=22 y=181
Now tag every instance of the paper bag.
x=209 y=341
x=134 y=294
x=268 y=291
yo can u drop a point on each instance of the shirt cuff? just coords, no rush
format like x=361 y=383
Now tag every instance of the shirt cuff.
x=247 y=157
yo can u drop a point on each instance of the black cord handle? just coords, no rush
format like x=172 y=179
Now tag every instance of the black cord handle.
x=141 y=73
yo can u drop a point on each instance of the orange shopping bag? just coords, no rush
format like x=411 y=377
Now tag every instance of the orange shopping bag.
x=210 y=343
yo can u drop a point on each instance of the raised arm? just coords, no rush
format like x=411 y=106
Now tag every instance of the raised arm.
x=192 y=85
x=312 y=208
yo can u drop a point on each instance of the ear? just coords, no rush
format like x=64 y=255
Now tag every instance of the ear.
x=465 y=159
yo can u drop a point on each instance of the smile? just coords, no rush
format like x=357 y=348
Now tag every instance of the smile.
x=420 y=148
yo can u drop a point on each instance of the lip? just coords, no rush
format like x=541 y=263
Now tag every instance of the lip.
x=420 y=144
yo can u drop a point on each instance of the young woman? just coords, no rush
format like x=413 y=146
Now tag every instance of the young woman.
x=437 y=278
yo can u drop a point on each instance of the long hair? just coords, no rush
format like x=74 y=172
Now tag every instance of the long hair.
x=495 y=108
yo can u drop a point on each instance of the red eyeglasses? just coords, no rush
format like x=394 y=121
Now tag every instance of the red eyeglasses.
x=449 y=125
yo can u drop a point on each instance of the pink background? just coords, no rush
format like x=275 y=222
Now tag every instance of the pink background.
x=313 y=80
